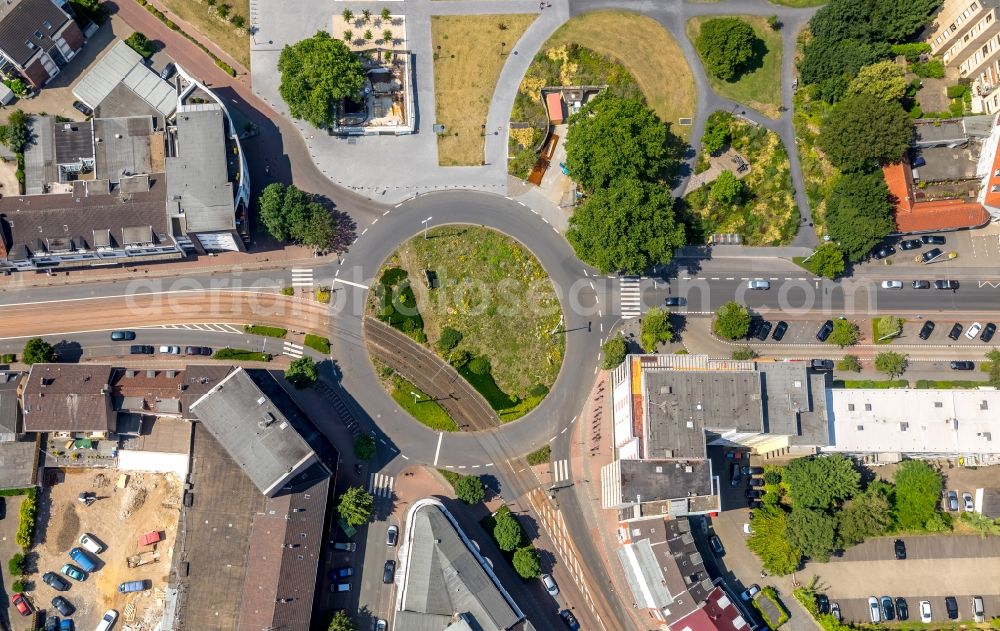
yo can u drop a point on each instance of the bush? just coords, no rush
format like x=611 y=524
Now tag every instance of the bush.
x=845 y=333
x=470 y=489
x=540 y=456
x=744 y=353
x=771 y=594
x=933 y=69
x=957 y=91
x=850 y=363
x=267 y=331
x=323 y=294
x=225 y=67
x=287 y=291
x=237 y=20
x=911 y=51
x=19 y=586
x=318 y=343
x=613 y=351
x=140 y=44
x=449 y=339
x=364 y=447
x=17 y=564
x=480 y=365
x=538 y=390
x=8 y=358
x=26 y=526
x=241 y=354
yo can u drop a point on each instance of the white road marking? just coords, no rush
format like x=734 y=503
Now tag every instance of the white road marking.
x=438 y=451
x=351 y=283
x=292 y=350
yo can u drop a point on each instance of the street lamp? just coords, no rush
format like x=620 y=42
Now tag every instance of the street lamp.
x=503 y=45
x=415 y=397
x=426 y=223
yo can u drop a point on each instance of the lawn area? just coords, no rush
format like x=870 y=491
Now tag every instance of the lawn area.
x=761 y=87
x=425 y=410
x=494 y=293
x=868 y=384
x=206 y=19
x=876 y=336
x=766 y=213
x=467 y=63
x=927 y=384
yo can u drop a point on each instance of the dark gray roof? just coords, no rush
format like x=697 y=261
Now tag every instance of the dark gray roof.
x=938 y=133
x=786 y=390
x=444 y=577
x=40 y=156
x=125 y=147
x=254 y=432
x=74 y=141
x=814 y=426
x=20 y=19
x=198 y=176
x=661 y=480
x=18 y=464
x=40 y=224
x=68 y=398
x=9 y=415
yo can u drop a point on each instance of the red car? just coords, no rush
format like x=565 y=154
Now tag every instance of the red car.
x=150 y=538
x=22 y=604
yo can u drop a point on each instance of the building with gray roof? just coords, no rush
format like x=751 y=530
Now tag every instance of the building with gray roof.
x=122 y=66
x=71 y=399
x=254 y=432
x=10 y=405
x=37 y=38
x=58 y=154
x=446 y=583
x=682 y=486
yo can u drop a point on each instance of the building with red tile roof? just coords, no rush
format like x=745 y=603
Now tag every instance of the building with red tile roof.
x=716 y=613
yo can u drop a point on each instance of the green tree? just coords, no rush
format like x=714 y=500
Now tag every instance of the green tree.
x=348 y=35
x=862 y=132
x=918 y=493
x=727 y=46
x=614 y=351
x=883 y=80
x=368 y=35
x=318 y=230
x=732 y=321
x=813 y=532
x=347 y=14
x=364 y=447
x=527 y=562
x=845 y=333
x=888 y=326
x=613 y=138
x=38 y=351
x=356 y=505
x=302 y=372
x=290 y=214
x=827 y=62
x=744 y=353
x=16 y=134
x=727 y=189
x=827 y=260
x=770 y=543
x=821 y=482
x=774 y=22
x=872 y=21
x=994 y=358
x=17 y=565
x=717 y=133
x=480 y=365
x=366 y=15
x=507 y=531
x=656 y=328
x=850 y=363
x=140 y=44
x=629 y=226
x=386 y=36
x=341 y=622
x=386 y=14
x=867 y=515
x=449 y=339
x=316 y=74
x=858 y=213
x=470 y=489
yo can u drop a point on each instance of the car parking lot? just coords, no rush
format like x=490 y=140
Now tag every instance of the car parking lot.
x=857 y=610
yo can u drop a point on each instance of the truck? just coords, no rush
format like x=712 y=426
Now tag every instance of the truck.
x=143 y=558
x=129 y=587
x=82 y=559
x=150 y=538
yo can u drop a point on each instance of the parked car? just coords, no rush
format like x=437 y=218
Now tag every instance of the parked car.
x=172 y=350
x=750 y=592
x=835 y=612
x=921 y=284
x=735 y=474
x=974 y=330
x=764 y=330
x=978 y=612
x=129 y=587
x=81 y=107
x=946 y=284
x=910 y=244
x=899 y=547
x=930 y=255
x=716 y=546
x=756 y=482
x=933 y=239
x=389 y=571
x=168 y=71
x=55 y=581
x=63 y=606
x=925 y=611
x=381 y=624
x=341 y=572
x=968 y=503
x=825 y=331
x=892 y=284
x=150 y=538
x=107 y=620
x=926 y=330
x=747 y=528
x=952 y=501
x=674 y=301
x=141 y=349
x=884 y=251
x=758 y=284
x=952 y=606
x=873 y=610
x=570 y=620
x=73 y=572
x=197 y=350
x=91 y=543
x=752 y=504
x=752 y=470
x=902 y=609
x=550 y=585
x=888 y=610
x=349 y=546
x=988 y=332
x=22 y=605
x=391 y=535
x=821 y=364
x=51 y=623
x=822 y=603
x=754 y=492
x=963 y=365
x=120 y=336
x=779 y=331
x=66 y=625
x=340 y=587
x=956 y=331
x=82 y=559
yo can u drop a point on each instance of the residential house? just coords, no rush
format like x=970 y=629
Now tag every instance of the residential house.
x=37 y=39
x=72 y=400
x=966 y=35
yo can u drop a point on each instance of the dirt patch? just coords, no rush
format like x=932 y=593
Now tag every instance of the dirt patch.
x=8 y=178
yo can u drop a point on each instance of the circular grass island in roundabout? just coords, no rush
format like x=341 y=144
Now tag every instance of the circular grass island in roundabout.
x=464 y=328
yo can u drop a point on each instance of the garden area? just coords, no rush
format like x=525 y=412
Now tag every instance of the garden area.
x=484 y=304
x=222 y=22
x=758 y=83
x=469 y=52
x=760 y=207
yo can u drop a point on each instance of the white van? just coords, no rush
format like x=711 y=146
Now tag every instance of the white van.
x=89 y=542
x=108 y=621
x=758 y=284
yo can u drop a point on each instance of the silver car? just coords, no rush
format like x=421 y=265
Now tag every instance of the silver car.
x=550 y=585
x=758 y=284
x=978 y=612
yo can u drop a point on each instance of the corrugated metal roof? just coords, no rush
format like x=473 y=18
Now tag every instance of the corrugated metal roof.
x=122 y=65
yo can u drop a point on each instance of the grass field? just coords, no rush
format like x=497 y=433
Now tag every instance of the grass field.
x=876 y=336
x=467 y=63
x=424 y=409
x=760 y=88
x=798 y=4
x=658 y=65
x=496 y=294
x=234 y=41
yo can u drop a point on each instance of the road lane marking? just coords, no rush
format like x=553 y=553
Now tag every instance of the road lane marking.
x=438 y=451
x=351 y=283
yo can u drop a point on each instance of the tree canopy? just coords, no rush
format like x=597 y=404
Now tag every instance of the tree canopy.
x=845 y=333
x=872 y=21
x=827 y=260
x=290 y=214
x=38 y=351
x=527 y=562
x=732 y=321
x=862 y=132
x=832 y=60
x=140 y=43
x=507 y=531
x=364 y=447
x=770 y=543
x=867 y=515
x=614 y=138
x=656 y=328
x=629 y=226
x=918 y=494
x=342 y=622
x=813 y=533
x=858 y=213
x=727 y=46
x=727 y=189
x=16 y=134
x=355 y=506
x=469 y=489
x=821 y=482
x=614 y=351
x=883 y=80
x=850 y=363
x=316 y=74
x=302 y=372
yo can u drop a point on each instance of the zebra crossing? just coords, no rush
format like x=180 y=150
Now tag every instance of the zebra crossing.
x=292 y=350
x=630 y=297
x=560 y=470
x=380 y=485
x=302 y=277
x=214 y=327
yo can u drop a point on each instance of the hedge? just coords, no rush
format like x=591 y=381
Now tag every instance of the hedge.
x=318 y=343
x=8 y=358
x=540 y=456
x=26 y=527
x=772 y=595
x=241 y=354
x=267 y=331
